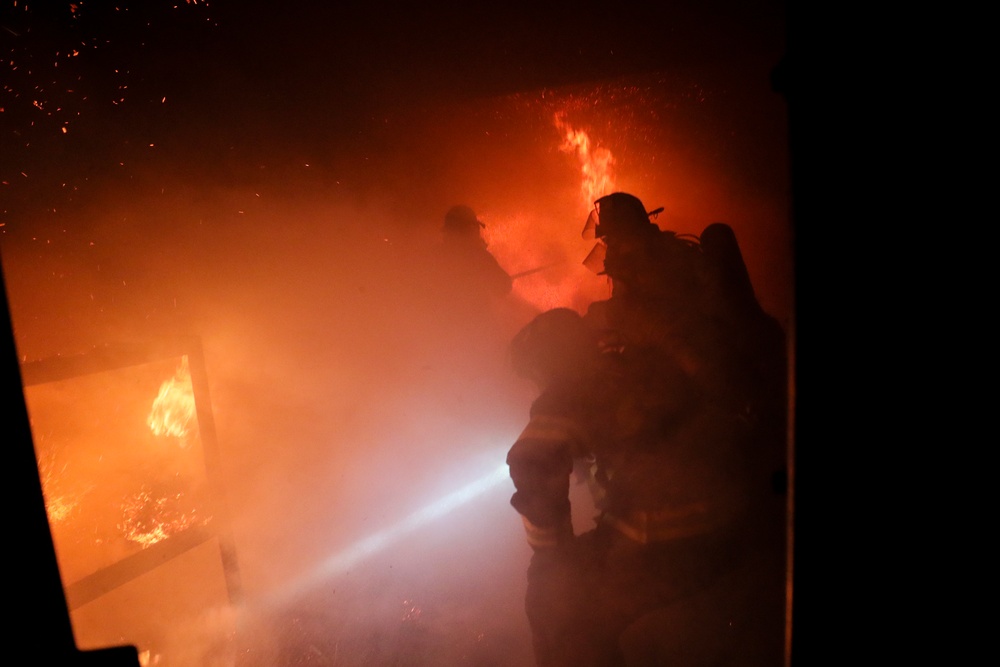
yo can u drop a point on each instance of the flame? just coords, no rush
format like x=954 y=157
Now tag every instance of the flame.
x=60 y=508
x=58 y=505
x=173 y=410
x=148 y=518
x=548 y=279
x=596 y=162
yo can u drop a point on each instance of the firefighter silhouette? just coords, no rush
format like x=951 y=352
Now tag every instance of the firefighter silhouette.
x=459 y=321
x=676 y=413
x=469 y=289
x=472 y=272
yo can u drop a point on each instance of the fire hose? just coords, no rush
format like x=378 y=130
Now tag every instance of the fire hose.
x=528 y=272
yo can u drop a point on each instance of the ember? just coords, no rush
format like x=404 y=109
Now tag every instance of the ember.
x=148 y=517
x=59 y=504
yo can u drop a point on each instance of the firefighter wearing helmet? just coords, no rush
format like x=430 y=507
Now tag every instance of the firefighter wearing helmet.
x=461 y=220
x=557 y=350
x=676 y=426
x=469 y=268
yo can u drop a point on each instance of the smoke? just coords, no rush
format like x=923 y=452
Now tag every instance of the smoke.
x=361 y=421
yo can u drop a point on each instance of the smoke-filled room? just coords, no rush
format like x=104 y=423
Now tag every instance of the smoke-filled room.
x=385 y=334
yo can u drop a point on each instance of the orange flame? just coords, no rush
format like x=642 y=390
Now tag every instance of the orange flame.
x=596 y=162
x=173 y=410
x=148 y=518
x=60 y=508
x=58 y=505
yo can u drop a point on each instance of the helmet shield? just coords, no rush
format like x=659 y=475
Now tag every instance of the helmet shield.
x=589 y=232
x=595 y=259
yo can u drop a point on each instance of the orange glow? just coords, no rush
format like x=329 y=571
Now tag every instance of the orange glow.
x=543 y=255
x=343 y=384
x=544 y=252
x=148 y=519
x=59 y=509
x=59 y=505
x=173 y=410
x=596 y=162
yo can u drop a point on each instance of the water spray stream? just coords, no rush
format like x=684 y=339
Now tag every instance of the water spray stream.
x=366 y=547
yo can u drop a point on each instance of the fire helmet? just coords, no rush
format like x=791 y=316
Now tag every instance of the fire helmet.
x=618 y=219
x=462 y=219
x=616 y=214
